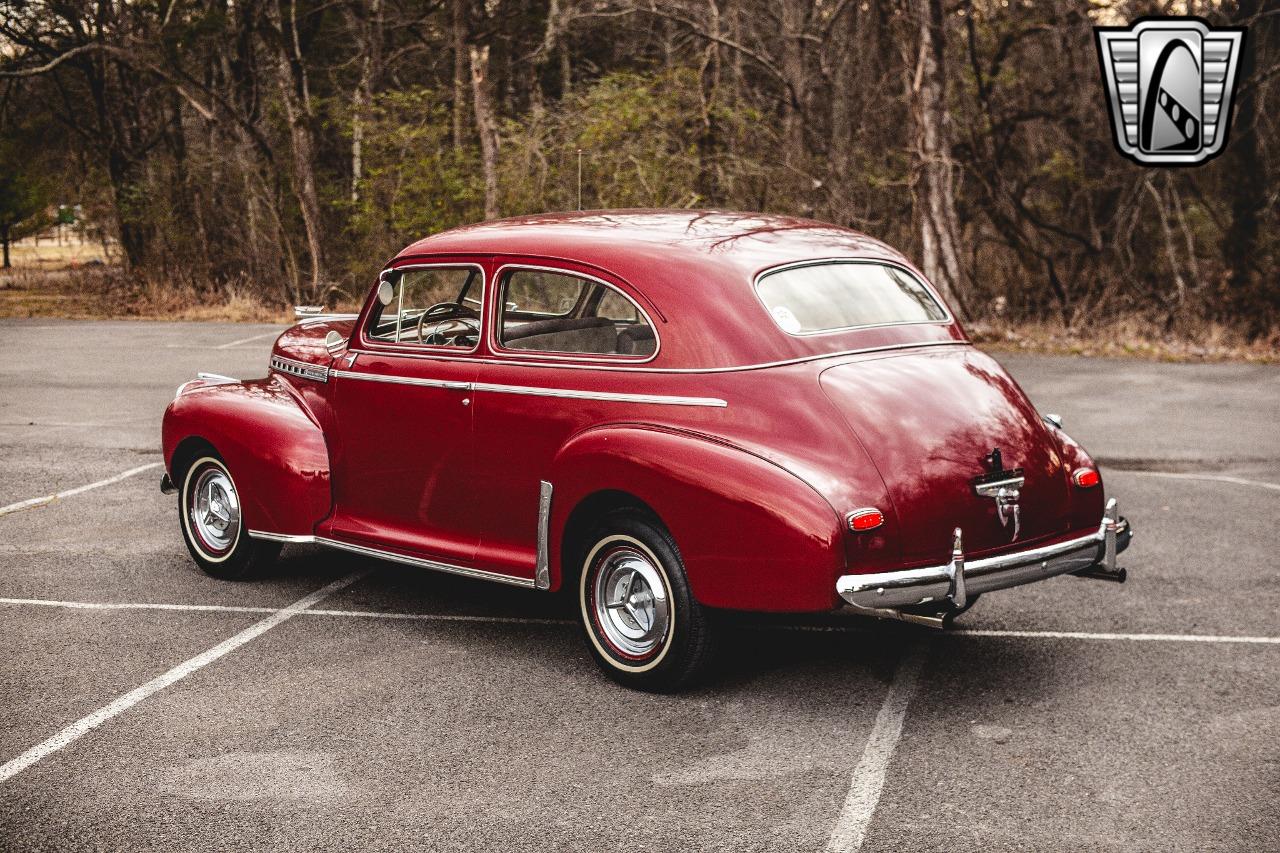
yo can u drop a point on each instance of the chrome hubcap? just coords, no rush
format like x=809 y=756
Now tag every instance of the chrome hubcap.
x=631 y=602
x=215 y=510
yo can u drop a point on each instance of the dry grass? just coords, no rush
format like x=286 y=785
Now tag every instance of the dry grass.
x=1129 y=337
x=105 y=293
x=100 y=292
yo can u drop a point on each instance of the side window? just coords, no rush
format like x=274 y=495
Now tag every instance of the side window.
x=435 y=306
x=615 y=306
x=559 y=312
x=546 y=294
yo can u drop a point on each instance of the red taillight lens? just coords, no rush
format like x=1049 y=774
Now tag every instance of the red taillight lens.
x=862 y=520
x=1086 y=478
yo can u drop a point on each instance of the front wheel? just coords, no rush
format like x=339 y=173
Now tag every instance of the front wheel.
x=643 y=626
x=212 y=524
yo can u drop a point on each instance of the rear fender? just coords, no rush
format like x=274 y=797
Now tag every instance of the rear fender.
x=272 y=445
x=1086 y=504
x=752 y=535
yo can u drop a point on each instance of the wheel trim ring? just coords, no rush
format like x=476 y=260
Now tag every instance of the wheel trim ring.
x=614 y=659
x=208 y=551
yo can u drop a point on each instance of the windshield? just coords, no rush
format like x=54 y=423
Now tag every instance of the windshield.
x=833 y=295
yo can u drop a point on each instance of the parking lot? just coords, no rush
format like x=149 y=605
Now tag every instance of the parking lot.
x=363 y=705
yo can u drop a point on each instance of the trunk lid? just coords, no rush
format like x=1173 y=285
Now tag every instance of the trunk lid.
x=929 y=420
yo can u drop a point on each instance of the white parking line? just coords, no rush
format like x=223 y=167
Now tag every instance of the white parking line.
x=155 y=685
x=1100 y=635
x=868 y=776
x=525 y=620
x=48 y=499
x=1215 y=478
x=234 y=608
x=270 y=334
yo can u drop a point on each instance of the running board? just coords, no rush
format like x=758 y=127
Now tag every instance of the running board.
x=377 y=553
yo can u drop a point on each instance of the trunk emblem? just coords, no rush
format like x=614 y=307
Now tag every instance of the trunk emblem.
x=1004 y=487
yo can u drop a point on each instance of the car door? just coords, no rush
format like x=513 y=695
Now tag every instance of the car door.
x=551 y=328
x=403 y=404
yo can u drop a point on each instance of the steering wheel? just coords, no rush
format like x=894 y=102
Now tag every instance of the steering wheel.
x=466 y=321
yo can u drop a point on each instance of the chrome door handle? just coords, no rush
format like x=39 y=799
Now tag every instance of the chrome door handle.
x=466 y=401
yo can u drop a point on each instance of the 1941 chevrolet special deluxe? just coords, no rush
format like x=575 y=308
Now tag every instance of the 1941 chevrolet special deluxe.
x=664 y=413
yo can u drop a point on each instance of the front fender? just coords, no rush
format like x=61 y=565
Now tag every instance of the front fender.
x=752 y=535
x=273 y=447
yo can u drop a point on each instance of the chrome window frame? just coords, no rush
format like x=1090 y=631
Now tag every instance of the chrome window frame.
x=949 y=318
x=509 y=355
x=369 y=344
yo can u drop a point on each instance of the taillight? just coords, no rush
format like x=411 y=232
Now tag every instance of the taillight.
x=862 y=520
x=1085 y=478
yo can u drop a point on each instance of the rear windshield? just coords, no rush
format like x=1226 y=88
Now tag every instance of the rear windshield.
x=844 y=295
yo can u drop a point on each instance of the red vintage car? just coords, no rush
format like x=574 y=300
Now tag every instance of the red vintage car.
x=664 y=413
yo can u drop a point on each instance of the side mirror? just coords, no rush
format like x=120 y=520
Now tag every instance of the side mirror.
x=334 y=341
x=386 y=292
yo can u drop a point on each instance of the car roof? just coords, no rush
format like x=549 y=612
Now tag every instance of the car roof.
x=696 y=267
x=748 y=242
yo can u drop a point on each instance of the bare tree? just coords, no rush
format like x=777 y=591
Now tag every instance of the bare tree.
x=939 y=225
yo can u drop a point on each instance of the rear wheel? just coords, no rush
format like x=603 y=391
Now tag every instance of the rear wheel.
x=643 y=626
x=213 y=526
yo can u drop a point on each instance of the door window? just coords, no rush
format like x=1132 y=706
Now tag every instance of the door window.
x=431 y=306
x=559 y=312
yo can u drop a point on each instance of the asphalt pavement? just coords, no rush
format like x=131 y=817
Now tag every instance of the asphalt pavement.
x=407 y=710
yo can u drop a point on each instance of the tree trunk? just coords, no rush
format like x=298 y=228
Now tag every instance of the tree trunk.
x=459 y=34
x=486 y=126
x=939 y=225
x=4 y=237
x=296 y=97
x=795 y=72
x=370 y=34
x=1241 y=249
x=127 y=192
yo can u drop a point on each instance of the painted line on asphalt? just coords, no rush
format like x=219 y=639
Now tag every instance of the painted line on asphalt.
x=235 y=608
x=87 y=724
x=1129 y=638
x=868 y=777
x=1058 y=635
x=270 y=334
x=527 y=620
x=129 y=605
x=48 y=499
x=1215 y=478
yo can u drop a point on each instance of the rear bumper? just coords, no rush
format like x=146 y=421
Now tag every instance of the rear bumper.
x=1094 y=555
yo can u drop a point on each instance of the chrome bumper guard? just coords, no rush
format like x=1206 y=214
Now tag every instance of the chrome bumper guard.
x=1091 y=556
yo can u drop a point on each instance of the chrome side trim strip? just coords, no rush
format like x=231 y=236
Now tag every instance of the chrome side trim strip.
x=542 y=569
x=316 y=314
x=208 y=380
x=608 y=396
x=302 y=539
x=419 y=562
x=564 y=393
x=215 y=377
x=626 y=368
x=314 y=372
x=402 y=380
